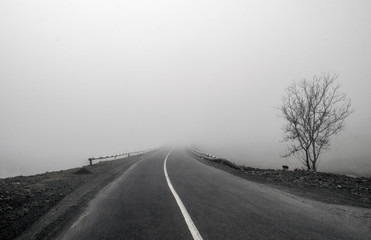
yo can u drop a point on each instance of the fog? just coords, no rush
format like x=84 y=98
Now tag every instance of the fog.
x=83 y=78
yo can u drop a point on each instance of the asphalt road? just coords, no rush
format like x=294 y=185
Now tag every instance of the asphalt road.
x=141 y=205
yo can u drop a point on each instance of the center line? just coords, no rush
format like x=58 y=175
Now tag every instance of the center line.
x=191 y=226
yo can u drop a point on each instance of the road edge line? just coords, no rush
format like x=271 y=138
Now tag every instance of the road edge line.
x=191 y=226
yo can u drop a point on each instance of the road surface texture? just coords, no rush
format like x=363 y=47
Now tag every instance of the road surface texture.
x=195 y=201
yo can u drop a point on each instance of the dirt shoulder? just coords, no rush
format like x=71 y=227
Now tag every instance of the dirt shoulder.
x=34 y=207
x=319 y=186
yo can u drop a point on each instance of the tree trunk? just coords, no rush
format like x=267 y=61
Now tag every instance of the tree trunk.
x=314 y=167
x=307 y=159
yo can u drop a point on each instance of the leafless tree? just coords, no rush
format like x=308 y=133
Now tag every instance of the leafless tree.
x=313 y=112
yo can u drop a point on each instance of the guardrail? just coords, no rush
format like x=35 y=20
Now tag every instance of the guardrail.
x=216 y=159
x=202 y=154
x=119 y=155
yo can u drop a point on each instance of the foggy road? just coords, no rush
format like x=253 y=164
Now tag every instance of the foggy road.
x=142 y=205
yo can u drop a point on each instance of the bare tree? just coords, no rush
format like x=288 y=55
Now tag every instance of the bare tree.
x=313 y=112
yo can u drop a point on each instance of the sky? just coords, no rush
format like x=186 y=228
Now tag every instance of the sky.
x=81 y=78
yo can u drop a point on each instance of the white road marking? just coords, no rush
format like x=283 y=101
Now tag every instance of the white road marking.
x=191 y=226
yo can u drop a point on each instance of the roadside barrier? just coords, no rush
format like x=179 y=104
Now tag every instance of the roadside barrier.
x=119 y=155
x=213 y=158
x=204 y=155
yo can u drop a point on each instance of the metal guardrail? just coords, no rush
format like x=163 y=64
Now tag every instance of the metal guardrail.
x=202 y=154
x=119 y=155
x=216 y=159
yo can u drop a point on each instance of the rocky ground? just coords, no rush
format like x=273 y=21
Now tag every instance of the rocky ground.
x=320 y=186
x=25 y=199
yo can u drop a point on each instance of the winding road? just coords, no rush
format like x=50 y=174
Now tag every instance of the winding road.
x=172 y=195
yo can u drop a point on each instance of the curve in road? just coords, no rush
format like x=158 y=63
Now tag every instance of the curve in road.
x=140 y=205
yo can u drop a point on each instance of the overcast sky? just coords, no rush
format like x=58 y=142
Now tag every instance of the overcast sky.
x=88 y=78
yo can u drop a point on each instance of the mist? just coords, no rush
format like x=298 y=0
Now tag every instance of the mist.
x=80 y=79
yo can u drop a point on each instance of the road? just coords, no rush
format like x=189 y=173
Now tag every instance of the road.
x=142 y=204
